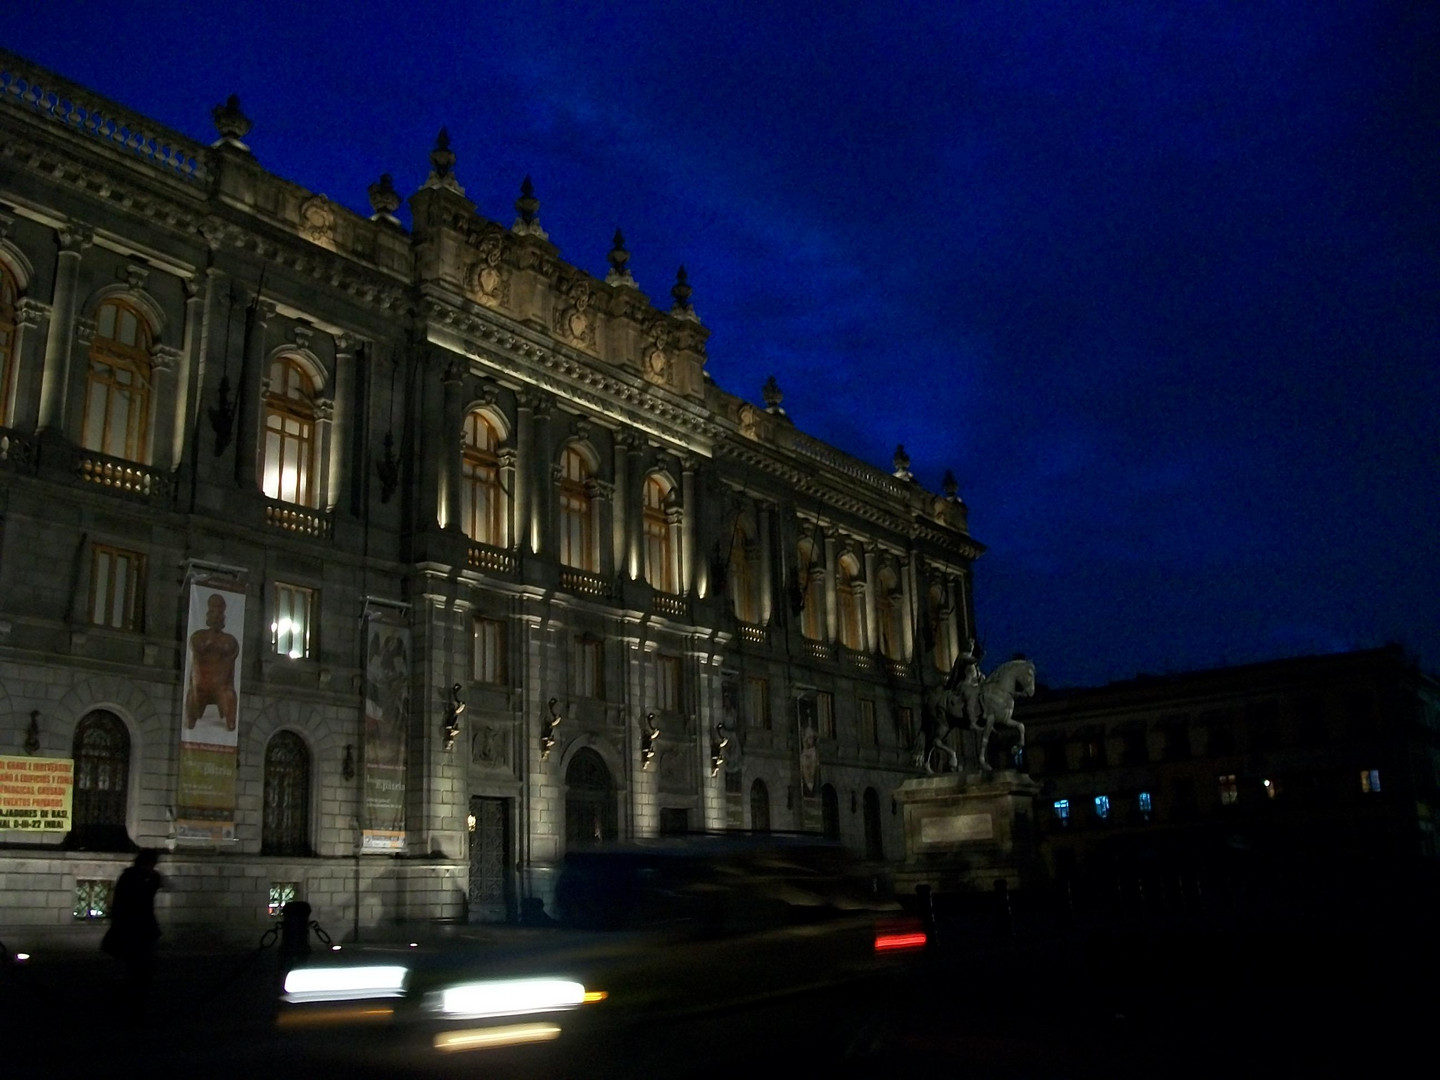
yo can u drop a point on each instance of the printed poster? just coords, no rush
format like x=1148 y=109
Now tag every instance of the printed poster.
x=210 y=712
x=36 y=794
x=387 y=724
x=809 y=747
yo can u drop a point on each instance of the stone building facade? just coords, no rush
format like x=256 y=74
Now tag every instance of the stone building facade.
x=378 y=566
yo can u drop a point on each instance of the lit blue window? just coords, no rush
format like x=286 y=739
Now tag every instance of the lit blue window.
x=1145 y=806
x=1370 y=781
x=1062 y=810
x=1102 y=806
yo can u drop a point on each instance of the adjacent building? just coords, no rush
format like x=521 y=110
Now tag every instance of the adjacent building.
x=379 y=566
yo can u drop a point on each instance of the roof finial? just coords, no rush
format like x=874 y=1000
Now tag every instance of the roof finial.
x=681 y=292
x=232 y=124
x=950 y=487
x=902 y=464
x=384 y=200
x=773 y=395
x=527 y=209
x=442 y=165
x=619 y=274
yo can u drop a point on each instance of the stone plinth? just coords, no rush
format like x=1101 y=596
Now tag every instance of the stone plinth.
x=965 y=833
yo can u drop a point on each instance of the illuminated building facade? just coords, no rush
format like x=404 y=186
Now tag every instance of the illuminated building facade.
x=377 y=567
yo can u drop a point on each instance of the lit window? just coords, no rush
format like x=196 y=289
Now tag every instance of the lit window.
x=92 y=899
x=1229 y=790
x=825 y=713
x=8 y=295
x=667 y=683
x=116 y=587
x=117 y=388
x=868 y=735
x=483 y=515
x=490 y=651
x=890 y=612
x=904 y=725
x=655 y=523
x=1143 y=800
x=1062 y=811
x=577 y=529
x=586 y=669
x=847 y=602
x=1370 y=781
x=290 y=630
x=1102 y=806
x=757 y=703
x=287 y=469
x=741 y=577
x=281 y=893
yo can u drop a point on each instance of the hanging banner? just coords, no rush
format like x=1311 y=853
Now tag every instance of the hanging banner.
x=387 y=726
x=809 y=747
x=210 y=712
x=36 y=794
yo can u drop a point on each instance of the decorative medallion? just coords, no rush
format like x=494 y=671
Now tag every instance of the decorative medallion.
x=317 y=220
x=486 y=278
x=575 y=318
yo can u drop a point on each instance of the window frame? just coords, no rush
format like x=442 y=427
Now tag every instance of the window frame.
x=119 y=379
x=484 y=516
x=825 y=714
x=288 y=590
x=104 y=559
x=292 y=406
x=587 y=667
x=489 y=651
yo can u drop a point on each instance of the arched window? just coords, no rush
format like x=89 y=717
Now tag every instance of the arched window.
x=759 y=807
x=288 y=466
x=847 y=603
x=741 y=577
x=102 y=784
x=890 y=612
x=590 y=815
x=577 y=511
x=117 y=386
x=830 y=812
x=9 y=294
x=874 y=840
x=286 y=826
x=660 y=568
x=812 y=592
x=483 y=511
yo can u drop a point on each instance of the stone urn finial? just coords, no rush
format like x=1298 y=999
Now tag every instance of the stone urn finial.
x=527 y=211
x=232 y=124
x=902 y=464
x=951 y=487
x=681 y=292
x=442 y=165
x=384 y=199
x=773 y=395
x=618 y=257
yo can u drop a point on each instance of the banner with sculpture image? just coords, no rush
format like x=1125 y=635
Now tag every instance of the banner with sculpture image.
x=210 y=711
x=387 y=726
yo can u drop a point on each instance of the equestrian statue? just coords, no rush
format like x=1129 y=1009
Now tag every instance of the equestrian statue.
x=970 y=701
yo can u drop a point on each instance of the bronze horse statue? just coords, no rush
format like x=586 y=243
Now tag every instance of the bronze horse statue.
x=970 y=701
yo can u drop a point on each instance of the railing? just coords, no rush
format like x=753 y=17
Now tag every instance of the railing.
x=585 y=583
x=665 y=604
x=128 y=476
x=826 y=454
x=16 y=450
x=752 y=633
x=298 y=519
x=862 y=661
x=820 y=650
x=898 y=668
x=485 y=557
x=28 y=86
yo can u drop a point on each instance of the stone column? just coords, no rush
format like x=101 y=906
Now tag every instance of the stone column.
x=55 y=381
x=543 y=496
x=602 y=501
x=189 y=385
x=951 y=624
x=507 y=458
x=620 y=508
x=635 y=520
x=907 y=599
x=687 y=525
x=766 y=570
x=254 y=379
x=872 y=628
x=337 y=488
x=832 y=620
x=526 y=538
x=167 y=377
x=449 y=446
x=26 y=365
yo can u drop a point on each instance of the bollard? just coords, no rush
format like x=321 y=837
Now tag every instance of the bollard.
x=294 y=933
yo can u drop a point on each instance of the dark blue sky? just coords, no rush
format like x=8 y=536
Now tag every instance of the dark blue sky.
x=1160 y=282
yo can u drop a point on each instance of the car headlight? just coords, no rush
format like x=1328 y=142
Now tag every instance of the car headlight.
x=345 y=983
x=506 y=997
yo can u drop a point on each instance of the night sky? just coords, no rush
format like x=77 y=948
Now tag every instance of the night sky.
x=1159 y=282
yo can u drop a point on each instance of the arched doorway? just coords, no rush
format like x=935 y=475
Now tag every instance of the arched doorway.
x=590 y=816
x=102 y=784
x=874 y=841
x=285 y=819
x=759 y=807
x=830 y=809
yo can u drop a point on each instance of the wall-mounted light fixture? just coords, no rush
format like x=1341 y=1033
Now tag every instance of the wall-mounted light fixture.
x=32 y=734
x=547 y=729
x=347 y=767
x=470 y=822
x=452 y=717
x=648 y=735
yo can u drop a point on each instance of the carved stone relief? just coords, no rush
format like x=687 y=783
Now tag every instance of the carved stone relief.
x=486 y=278
x=317 y=220
x=575 y=315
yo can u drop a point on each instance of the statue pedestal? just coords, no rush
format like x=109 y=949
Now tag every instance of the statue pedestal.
x=966 y=833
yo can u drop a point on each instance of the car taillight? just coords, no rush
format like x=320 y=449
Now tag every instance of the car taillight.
x=899 y=936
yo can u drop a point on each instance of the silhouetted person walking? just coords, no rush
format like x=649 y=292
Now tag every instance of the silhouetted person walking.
x=134 y=929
